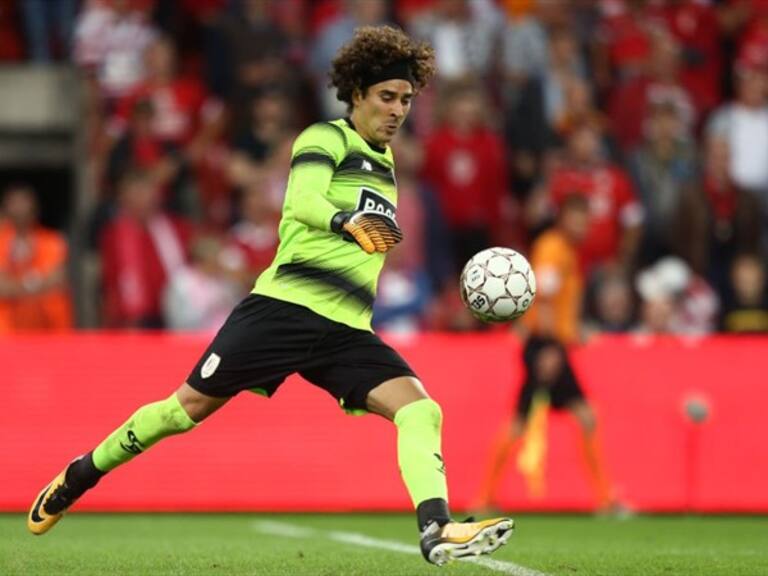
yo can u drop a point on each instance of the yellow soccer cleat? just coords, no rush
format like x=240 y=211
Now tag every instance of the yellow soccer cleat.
x=439 y=544
x=55 y=499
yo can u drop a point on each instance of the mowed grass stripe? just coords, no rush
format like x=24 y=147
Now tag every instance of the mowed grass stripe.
x=357 y=539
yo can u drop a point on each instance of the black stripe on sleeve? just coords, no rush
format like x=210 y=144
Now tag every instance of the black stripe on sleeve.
x=312 y=158
x=340 y=132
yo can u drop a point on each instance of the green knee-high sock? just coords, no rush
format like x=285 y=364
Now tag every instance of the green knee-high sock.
x=419 y=426
x=148 y=425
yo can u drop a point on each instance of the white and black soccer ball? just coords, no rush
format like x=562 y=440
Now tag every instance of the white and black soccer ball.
x=498 y=285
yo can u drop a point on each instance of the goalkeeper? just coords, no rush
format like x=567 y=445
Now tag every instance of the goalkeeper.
x=310 y=311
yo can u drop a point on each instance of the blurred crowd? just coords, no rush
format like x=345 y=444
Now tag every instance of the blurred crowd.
x=656 y=111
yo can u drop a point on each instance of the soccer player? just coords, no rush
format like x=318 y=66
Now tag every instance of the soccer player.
x=550 y=382
x=310 y=311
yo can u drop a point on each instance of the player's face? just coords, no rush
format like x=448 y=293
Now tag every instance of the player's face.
x=576 y=224
x=20 y=207
x=382 y=110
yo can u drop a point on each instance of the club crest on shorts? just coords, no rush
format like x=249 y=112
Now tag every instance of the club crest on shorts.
x=210 y=365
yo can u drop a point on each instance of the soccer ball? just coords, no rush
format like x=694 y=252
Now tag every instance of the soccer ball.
x=497 y=285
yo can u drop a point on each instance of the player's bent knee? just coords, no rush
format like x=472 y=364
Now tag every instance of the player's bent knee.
x=175 y=416
x=423 y=411
x=196 y=405
x=586 y=418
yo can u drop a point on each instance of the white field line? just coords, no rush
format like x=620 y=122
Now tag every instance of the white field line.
x=293 y=531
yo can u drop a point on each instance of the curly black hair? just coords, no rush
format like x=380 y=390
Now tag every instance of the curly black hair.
x=372 y=49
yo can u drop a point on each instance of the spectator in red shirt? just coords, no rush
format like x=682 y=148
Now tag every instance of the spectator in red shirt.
x=252 y=241
x=185 y=121
x=623 y=39
x=185 y=117
x=748 y=19
x=139 y=149
x=662 y=77
x=140 y=249
x=466 y=166
x=615 y=213
x=696 y=27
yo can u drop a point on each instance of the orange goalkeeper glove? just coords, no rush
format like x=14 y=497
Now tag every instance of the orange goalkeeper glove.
x=373 y=231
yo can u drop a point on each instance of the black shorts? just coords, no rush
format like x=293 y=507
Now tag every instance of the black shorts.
x=563 y=392
x=265 y=340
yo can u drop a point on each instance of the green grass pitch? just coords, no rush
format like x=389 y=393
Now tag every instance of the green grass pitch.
x=370 y=545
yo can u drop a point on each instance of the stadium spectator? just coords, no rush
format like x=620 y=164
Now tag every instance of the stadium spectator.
x=546 y=106
x=246 y=52
x=186 y=120
x=613 y=307
x=661 y=80
x=110 y=39
x=465 y=165
x=269 y=126
x=200 y=296
x=623 y=40
x=748 y=21
x=188 y=22
x=664 y=169
x=334 y=34
x=185 y=116
x=697 y=28
x=139 y=148
x=733 y=215
x=657 y=314
x=141 y=247
x=565 y=73
x=466 y=36
x=675 y=300
x=615 y=214
x=552 y=325
x=744 y=124
x=524 y=45
x=252 y=241
x=747 y=309
x=49 y=26
x=34 y=291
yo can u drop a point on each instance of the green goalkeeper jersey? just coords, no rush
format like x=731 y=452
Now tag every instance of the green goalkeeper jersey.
x=332 y=169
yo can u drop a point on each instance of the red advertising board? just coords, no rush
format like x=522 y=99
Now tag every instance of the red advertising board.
x=299 y=451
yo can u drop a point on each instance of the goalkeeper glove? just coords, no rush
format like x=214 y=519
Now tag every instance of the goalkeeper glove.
x=373 y=231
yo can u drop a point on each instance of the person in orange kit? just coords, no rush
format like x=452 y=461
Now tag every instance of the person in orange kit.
x=550 y=327
x=33 y=283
